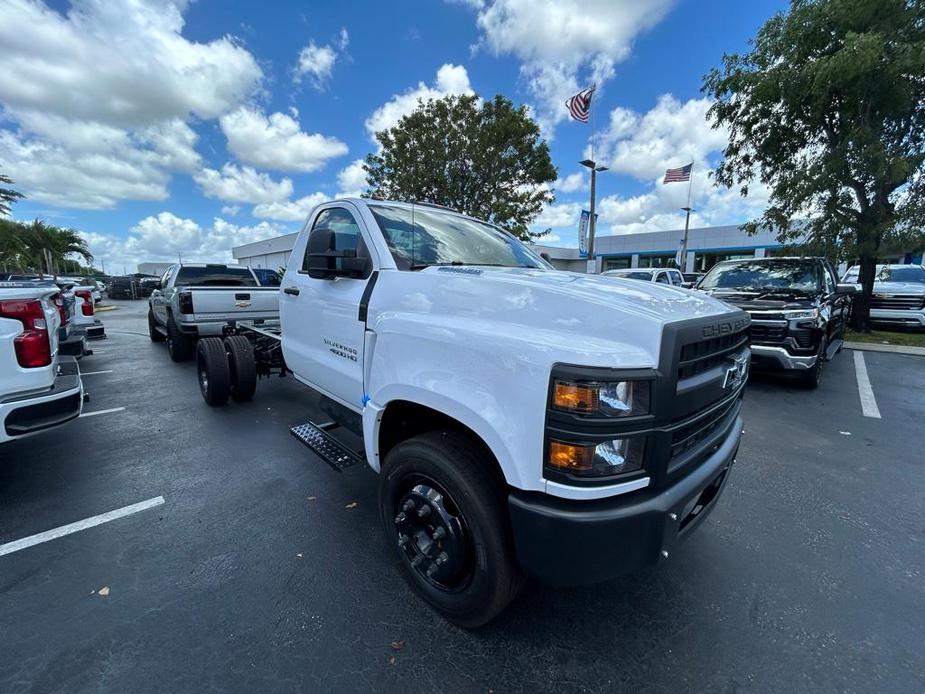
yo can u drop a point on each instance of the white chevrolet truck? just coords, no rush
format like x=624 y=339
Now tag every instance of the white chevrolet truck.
x=523 y=421
x=39 y=389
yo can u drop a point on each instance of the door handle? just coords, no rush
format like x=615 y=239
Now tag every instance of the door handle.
x=292 y=290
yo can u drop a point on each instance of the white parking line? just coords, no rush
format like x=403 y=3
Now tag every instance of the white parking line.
x=70 y=528
x=94 y=373
x=868 y=401
x=92 y=414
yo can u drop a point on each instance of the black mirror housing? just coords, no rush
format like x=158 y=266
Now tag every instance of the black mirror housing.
x=327 y=262
x=846 y=289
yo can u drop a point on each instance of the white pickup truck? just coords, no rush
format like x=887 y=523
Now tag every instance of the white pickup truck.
x=198 y=300
x=521 y=419
x=38 y=388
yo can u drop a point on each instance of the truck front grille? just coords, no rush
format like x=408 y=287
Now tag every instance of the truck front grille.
x=898 y=302
x=761 y=332
x=698 y=357
x=700 y=427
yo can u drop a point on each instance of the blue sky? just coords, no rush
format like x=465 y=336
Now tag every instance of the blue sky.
x=160 y=127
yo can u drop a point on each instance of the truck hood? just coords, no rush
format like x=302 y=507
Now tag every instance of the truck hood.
x=574 y=318
x=750 y=303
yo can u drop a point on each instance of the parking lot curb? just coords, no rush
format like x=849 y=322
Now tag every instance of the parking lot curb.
x=895 y=349
x=99 y=309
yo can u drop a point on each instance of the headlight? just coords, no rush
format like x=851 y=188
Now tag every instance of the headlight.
x=597 y=460
x=613 y=399
x=801 y=314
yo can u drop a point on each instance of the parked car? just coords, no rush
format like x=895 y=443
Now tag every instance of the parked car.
x=39 y=388
x=899 y=294
x=649 y=274
x=520 y=418
x=122 y=288
x=83 y=316
x=195 y=300
x=267 y=277
x=799 y=312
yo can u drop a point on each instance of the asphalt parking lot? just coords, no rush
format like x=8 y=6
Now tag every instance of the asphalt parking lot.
x=264 y=570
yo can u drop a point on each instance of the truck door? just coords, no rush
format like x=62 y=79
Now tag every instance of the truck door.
x=158 y=299
x=323 y=335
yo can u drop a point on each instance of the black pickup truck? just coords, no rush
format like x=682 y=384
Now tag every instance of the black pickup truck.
x=798 y=310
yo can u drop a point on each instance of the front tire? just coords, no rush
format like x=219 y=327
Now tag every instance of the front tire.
x=810 y=378
x=213 y=372
x=155 y=334
x=443 y=512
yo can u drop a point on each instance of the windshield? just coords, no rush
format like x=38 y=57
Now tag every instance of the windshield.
x=215 y=276
x=907 y=273
x=439 y=238
x=645 y=276
x=785 y=275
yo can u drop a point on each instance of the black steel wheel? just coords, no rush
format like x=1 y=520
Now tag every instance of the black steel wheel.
x=243 y=367
x=179 y=346
x=212 y=371
x=442 y=508
x=155 y=334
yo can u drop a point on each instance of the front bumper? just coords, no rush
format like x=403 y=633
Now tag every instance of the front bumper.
x=768 y=357
x=576 y=542
x=907 y=317
x=26 y=414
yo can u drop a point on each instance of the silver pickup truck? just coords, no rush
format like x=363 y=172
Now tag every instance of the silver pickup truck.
x=200 y=300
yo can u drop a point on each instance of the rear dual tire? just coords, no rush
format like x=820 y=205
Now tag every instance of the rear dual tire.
x=226 y=368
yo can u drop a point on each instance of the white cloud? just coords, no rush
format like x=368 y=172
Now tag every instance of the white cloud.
x=231 y=210
x=276 y=141
x=558 y=41
x=451 y=79
x=643 y=146
x=352 y=180
x=164 y=236
x=99 y=97
x=671 y=134
x=291 y=210
x=125 y=64
x=242 y=184
x=316 y=63
x=82 y=178
x=571 y=183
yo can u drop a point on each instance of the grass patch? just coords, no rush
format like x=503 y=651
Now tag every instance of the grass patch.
x=886 y=337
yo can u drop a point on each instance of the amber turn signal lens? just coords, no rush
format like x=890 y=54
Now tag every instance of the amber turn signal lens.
x=565 y=456
x=576 y=397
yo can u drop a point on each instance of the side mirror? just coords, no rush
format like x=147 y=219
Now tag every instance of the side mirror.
x=327 y=262
x=545 y=256
x=846 y=289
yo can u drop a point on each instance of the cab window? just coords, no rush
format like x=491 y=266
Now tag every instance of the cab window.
x=662 y=278
x=347 y=234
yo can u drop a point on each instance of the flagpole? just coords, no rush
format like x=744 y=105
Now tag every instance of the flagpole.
x=682 y=266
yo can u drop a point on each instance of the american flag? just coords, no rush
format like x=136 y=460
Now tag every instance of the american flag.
x=682 y=173
x=579 y=106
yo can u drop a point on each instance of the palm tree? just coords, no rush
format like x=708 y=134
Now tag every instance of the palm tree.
x=11 y=245
x=47 y=247
x=7 y=195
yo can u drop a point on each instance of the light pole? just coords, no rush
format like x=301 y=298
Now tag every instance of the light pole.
x=591 y=222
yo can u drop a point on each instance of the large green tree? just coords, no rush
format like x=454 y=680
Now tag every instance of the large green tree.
x=485 y=159
x=7 y=195
x=827 y=110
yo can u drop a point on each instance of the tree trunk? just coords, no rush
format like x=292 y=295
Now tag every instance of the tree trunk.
x=860 y=315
